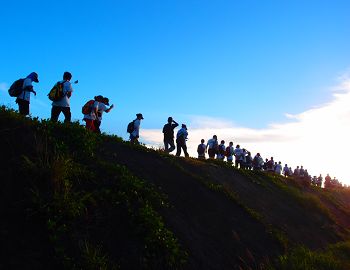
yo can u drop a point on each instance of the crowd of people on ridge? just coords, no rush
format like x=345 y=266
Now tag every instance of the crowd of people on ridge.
x=93 y=110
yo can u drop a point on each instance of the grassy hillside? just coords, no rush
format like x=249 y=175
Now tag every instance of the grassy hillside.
x=73 y=200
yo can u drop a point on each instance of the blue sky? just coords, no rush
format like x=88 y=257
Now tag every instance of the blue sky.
x=247 y=62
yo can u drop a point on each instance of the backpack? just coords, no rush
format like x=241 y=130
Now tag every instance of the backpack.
x=200 y=149
x=131 y=127
x=16 y=88
x=56 y=93
x=87 y=108
x=228 y=151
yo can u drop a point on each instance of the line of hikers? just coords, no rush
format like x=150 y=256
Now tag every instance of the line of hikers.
x=60 y=95
x=93 y=110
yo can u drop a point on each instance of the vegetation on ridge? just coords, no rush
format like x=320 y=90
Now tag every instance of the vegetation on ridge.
x=74 y=200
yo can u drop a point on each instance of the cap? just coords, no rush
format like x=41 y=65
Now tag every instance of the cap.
x=105 y=101
x=98 y=98
x=139 y=115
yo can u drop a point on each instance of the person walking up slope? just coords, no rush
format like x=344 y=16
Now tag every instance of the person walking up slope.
x=168 y=131
x=181 y=138
x=101 y=107
x=229 y=153
x=134 y=129
x=23 y=99
x=63 y=104
x=212 y=146
x=201 y=150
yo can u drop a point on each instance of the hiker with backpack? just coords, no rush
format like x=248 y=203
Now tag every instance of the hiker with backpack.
x=221 y=151
x=90 y=112
x=62 y=102
x=258 y=162
x=168 y=131
x=134 y=129
x=201 y=149
x=212 y=146
x=181 y=138
x=248 y=164
x=22 y=89
x=278 y=168
x=286 y=171
x=101 y=107
x=229 y=153
x=238 y=153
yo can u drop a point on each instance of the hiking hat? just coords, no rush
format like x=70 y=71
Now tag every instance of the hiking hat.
x=184 y=126
x=33 y=76
x=98 y=98
x=139 y=115
x=105 y=101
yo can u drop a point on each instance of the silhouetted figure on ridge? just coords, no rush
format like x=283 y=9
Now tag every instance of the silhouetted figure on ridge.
x=63 y=104
x=135 y=129
x=23 y=99
x=101 y=108
x=201 y=149
x=229 y=153
x=212 y=146
x=181 y=138
x=168 y=131
x=221 y=151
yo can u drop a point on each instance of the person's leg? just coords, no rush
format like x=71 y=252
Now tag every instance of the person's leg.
x=90 y=125
x=184 y=148
x=172 y=145
x=23 y=106
x=67 y=114
x=178 y=149
x=166 y=145
x=55 y=113
x=97 y=125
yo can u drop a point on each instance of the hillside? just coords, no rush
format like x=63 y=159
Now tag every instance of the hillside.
x=73 y=200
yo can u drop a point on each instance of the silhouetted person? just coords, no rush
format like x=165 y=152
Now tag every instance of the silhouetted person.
x=23 y=99
x=101 y=108
x=238 y=156
x=63 y=105
x=135 y=134
x=181 y=138
x=212 y=146
x=229 y=153
x=201 y=149
x=221 y=151
x=168 y=131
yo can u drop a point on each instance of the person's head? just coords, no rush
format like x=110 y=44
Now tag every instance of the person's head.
x=105 y=101
x=67 y=76
x=184 y=126
x=215 y=137
x=231 y=143
x=139 y=116
x=301 y=167
x=271 y=158
x=98 y=98
x=258 y=154
x=285 y=165
x=279 y=162
x=222 y=141
x=237 y=146
x=202 y=141
x=34 y=77
x=297 y=167
x=170 y=120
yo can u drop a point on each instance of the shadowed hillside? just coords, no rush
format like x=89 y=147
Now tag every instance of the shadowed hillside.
x=73 y=200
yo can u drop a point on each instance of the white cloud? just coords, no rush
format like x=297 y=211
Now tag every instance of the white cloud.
x=318 y=138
